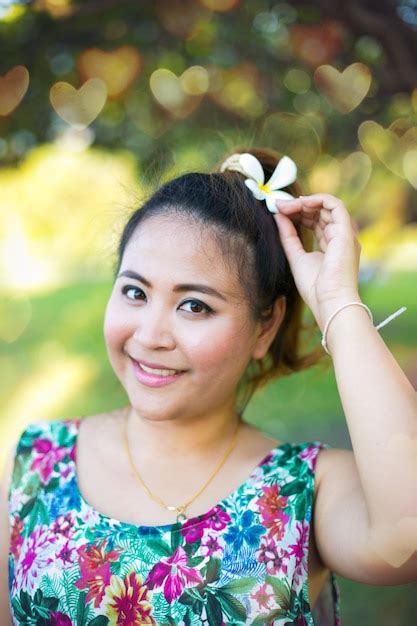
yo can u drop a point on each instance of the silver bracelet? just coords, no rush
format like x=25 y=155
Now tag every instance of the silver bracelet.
x=386 y=321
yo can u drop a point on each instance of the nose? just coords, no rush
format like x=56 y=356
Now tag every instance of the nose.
x=153 y=329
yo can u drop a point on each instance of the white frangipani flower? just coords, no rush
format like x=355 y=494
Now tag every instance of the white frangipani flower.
x=284 y=174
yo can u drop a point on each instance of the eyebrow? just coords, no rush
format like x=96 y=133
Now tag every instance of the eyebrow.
x=183 y=287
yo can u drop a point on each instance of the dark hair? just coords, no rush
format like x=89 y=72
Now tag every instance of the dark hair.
x=248 y=237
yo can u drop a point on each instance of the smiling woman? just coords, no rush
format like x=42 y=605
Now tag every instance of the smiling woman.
x=203 y=311
x=173 y=509
x=245 y=245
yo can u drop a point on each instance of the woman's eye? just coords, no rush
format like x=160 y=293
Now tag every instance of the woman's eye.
x=130 y=288
x=198 y=304
x=135 y=293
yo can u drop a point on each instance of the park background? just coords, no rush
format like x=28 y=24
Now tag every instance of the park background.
x=101 y=101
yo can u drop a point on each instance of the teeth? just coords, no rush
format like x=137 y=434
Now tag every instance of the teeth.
x=151 y=370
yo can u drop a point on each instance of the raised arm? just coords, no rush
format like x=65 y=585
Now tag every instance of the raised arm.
x=366 y=507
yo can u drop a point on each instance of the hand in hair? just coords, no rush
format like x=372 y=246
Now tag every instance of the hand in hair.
x=330 y=274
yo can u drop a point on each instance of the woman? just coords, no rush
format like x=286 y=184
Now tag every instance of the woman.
x=174 y=510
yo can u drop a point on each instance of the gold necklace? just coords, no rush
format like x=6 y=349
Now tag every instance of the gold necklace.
x=181 y=508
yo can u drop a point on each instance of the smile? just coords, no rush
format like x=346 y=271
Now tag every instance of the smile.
x=155 y=377
x=160 y=372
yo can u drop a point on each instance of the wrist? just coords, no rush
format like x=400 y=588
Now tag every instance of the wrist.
x=346 y=316
x=330 y=305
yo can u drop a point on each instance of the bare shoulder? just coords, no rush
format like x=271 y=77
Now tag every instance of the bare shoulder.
x=331 y=460
x=100 y=433
x=259 y=436
x=335 y=470
x=256 y=444
x=106 y=421
x=103 y=416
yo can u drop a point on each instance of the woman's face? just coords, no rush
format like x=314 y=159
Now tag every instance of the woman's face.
x=151 y=318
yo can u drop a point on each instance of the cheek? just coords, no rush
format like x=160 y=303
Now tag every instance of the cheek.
x=114 y=332
x=225 y=348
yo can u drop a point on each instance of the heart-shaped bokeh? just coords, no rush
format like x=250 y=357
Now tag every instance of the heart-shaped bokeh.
x=13 y=86
x=396 y=543
x=179 y=95
x=79 y=107
x=401 y=458
x=117 y=68
x=344 y=90
x=355 y=172
x=387 y=146
x=345 y=177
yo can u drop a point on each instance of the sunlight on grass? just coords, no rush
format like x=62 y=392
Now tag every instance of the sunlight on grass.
x=44 y=393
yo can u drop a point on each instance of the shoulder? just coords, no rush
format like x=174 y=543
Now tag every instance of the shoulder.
x=332 y=461
x=42 y=436
x=100 y=436
x=304 y=456
x=303 y=461
x=36 y=439
x=62 y=432
x=21 y=446
x=257 y=437
x=107 y=420
x=101 y=428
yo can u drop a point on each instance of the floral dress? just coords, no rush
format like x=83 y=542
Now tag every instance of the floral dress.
x=242 y=562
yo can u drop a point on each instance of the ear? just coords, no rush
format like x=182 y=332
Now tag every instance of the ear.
x=268 y=330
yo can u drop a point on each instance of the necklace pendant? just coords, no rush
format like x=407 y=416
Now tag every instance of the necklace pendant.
x=181 y=517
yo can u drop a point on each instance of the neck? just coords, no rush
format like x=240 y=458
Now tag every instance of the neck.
x=179 y=439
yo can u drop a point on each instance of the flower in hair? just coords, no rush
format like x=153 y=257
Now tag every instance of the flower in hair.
x=283 y=175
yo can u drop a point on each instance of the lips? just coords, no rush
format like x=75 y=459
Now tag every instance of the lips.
x=157 y=366
x=154 y=379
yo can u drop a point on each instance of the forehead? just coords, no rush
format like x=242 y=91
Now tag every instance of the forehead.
x=177 y=246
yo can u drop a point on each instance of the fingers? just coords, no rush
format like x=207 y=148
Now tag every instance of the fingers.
x=290 y=240
x=319 y=208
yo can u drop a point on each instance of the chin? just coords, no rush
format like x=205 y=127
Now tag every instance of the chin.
x=152 y=412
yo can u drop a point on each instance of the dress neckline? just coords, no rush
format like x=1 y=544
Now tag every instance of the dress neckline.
x=190 y=522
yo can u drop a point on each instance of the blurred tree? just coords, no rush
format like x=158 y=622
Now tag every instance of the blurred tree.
x=332 y=84
x=226 y=68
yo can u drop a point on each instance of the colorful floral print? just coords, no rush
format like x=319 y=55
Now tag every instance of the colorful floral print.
x=95 y=572
x=173 y=574
x=242 y=562
x=128 y=601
